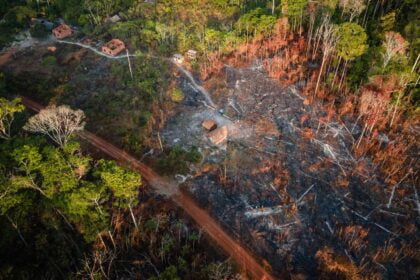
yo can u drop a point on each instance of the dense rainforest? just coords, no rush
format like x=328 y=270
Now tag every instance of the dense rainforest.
x=68 y=211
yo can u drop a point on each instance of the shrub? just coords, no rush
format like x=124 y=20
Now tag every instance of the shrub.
x=177 y=95
x=49 y=61
x=176 y=160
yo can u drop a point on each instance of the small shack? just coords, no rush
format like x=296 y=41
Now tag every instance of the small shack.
x=191 y=54
x=113 y=47
x=209 y=125
x=52 y=48
x=62 y=31
x=219 y=135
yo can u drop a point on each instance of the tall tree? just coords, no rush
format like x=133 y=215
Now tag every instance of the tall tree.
x=351 y=42
x=59 y=123
x=294 y=9
x=329 y=40
x=124 y=184
x=394 y=44
x=330 y=5
x=352 y=7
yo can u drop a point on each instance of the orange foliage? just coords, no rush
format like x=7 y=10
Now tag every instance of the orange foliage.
x=354 y=237
x=391 y=254
x=338 y=264
x=213 y=65
x=308 y=133
x=281 y=176
x=304 y=118
x=263 y=167
x=316 y=166
x=393 y=157
x=375 y=98
x=346 y=107
x=342 y=182
x=282 y=55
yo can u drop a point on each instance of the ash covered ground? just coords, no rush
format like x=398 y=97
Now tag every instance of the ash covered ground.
x=285 y=182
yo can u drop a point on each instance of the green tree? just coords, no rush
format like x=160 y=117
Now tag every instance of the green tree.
x=71 y=10
x=255 y=22
x=352 y=7
x=170 y=273
x=44 y=169
x=123 y=183
x=213 y=39
x=351 y=42
x=19 y=15
x=388 y=21
x=59 y=176
x=35 y=236
x=294 y=9
x=8 y=109
x=330 y=5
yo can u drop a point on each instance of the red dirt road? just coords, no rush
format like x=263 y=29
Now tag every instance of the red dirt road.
x=241 y=255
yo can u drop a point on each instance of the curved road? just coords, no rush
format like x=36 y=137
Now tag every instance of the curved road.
x=241 y=255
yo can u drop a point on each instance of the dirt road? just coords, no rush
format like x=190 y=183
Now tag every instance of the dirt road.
x=241 y=255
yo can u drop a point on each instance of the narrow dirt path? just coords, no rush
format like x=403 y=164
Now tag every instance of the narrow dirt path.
x=241 y=255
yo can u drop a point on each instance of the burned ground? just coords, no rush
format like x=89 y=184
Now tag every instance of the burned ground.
x=287 y=184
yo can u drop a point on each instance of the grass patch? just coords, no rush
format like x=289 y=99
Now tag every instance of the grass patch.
x=49 y=61
x=177 y=95
x=176 y=160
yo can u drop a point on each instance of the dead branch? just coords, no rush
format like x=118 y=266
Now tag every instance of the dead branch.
x=391 y=213
x=394 y=188
x=329 y=227
x=281 y=227
x=304 y=194
x=264 y=211
x=376 y=224
x=416 y=196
